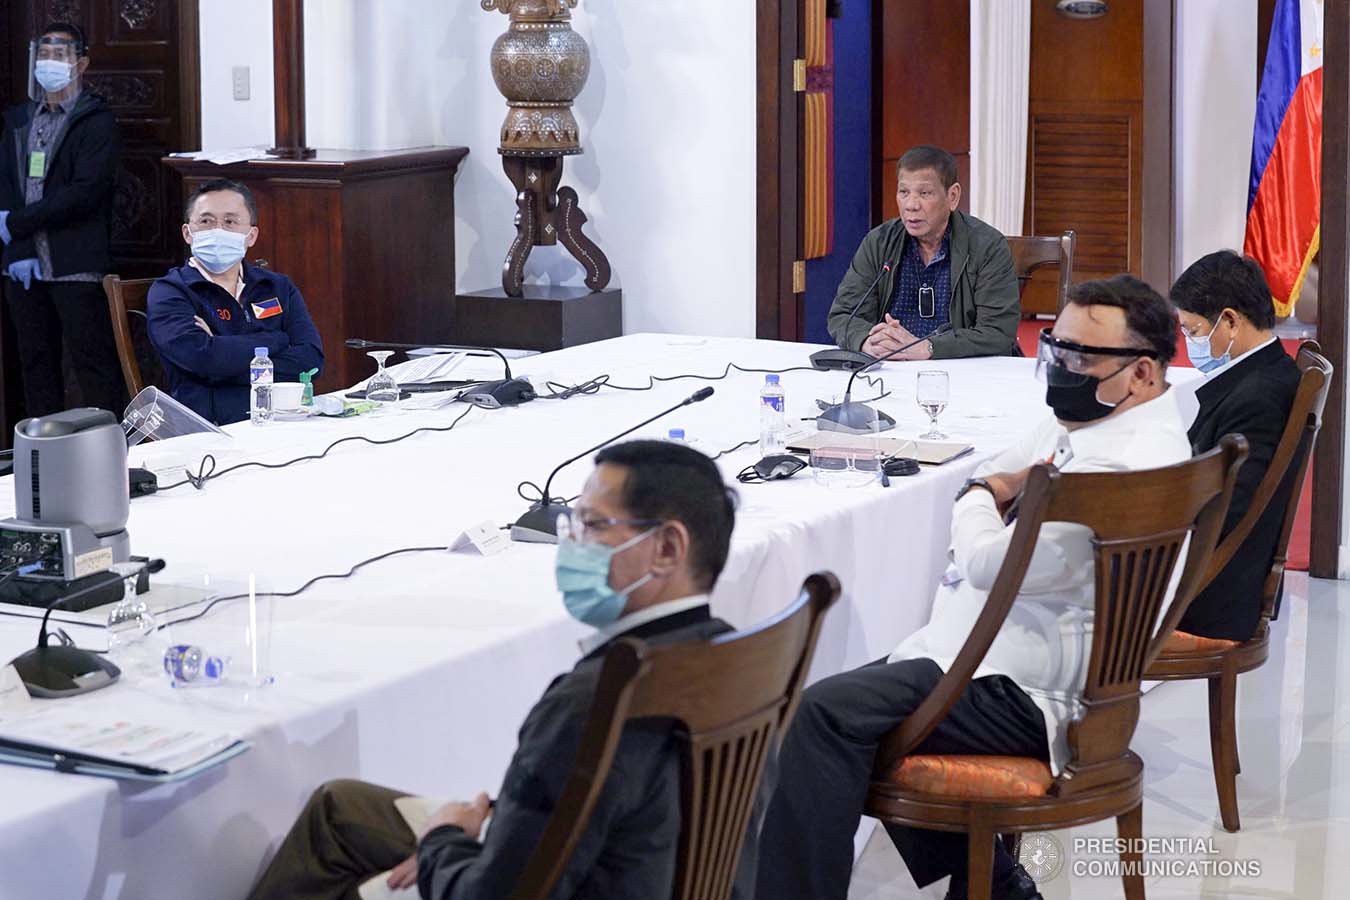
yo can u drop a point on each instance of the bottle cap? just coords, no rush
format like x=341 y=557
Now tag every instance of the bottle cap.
x=770 y=379
x=676 y=434
x=260 y=351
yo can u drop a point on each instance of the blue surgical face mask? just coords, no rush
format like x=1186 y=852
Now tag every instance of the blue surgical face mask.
x=218 y=249
x=53 y=74
x=582 y=574
x=1201 y=352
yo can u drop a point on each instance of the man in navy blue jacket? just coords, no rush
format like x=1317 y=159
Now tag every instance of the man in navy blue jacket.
x=207 y=318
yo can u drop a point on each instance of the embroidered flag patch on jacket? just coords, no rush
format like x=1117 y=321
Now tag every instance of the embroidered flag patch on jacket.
x=267 y=308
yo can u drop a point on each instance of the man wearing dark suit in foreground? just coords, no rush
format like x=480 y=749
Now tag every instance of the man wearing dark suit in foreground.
x=1227 y=318
x=645 y=545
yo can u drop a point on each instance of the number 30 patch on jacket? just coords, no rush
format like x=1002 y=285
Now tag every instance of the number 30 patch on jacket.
x=267 y=308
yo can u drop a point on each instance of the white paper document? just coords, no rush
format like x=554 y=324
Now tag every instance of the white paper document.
x=52 y=727
x=227 y=156
x=420 y=369
x=417 y=812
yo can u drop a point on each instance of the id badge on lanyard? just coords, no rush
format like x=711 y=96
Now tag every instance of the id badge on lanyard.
x=37 y=164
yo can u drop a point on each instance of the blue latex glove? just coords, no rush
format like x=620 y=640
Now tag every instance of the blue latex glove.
x=24 y=271
x=4 y=226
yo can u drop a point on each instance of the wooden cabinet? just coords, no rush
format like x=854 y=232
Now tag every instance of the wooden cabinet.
x=367 y=237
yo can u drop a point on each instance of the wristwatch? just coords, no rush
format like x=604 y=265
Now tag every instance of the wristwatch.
x=971 y=484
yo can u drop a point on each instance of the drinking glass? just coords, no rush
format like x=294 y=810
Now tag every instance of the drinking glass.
x=382 y=388
x=932 y=393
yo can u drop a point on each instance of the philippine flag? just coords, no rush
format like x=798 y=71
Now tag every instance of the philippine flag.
x=1285 y=197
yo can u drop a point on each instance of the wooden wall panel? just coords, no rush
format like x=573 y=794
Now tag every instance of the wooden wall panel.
x=1089 y=95
x=923 y=96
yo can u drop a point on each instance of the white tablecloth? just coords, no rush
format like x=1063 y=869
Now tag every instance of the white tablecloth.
x=417 y=672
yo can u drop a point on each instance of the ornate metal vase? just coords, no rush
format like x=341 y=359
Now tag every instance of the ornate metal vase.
x=540 y=65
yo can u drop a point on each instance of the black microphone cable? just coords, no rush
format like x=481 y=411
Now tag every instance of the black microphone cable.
x=328 y=576
x=593 y=385
x=206 y=471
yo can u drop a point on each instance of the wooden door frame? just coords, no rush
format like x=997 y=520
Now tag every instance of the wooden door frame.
x=779 y=151
x=1333 y=289
x=190 y=74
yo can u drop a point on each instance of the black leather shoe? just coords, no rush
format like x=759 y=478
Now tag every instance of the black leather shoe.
x=1016 y=885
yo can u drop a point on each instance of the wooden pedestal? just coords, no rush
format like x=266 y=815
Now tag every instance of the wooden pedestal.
x=547 y=318
x=367 y=237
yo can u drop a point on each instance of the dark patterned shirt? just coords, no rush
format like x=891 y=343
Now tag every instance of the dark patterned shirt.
x=914 y=275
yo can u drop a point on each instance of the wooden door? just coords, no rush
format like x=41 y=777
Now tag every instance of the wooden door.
x=143 y=59
x=923 y=96
x=1099 y=142
x=780 y=187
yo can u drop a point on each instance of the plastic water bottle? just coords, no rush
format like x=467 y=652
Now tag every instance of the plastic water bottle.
x=772 y=418
x=188 y=662
x=260 y=387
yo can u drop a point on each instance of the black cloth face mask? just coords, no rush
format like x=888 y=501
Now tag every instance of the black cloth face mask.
x=1073 y=396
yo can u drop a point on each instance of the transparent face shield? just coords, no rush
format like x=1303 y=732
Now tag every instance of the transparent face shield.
x=53 y=68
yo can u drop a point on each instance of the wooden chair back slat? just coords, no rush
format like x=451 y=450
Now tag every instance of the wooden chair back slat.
x=127 y=299
x=1032 y=252
x=1139 y=522
x=730 y=697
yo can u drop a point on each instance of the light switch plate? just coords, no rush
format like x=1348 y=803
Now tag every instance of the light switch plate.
x=240 y=80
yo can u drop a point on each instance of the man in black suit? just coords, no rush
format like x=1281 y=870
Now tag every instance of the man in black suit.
x=1227 y=318
x=648 y=539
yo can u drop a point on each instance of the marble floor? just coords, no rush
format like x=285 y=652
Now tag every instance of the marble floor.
x=1293 y=793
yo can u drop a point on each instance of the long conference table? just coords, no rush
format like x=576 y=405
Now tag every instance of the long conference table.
x=417 y=671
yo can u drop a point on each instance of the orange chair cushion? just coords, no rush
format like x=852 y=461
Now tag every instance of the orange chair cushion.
x=973 y=777
x=1183 y=643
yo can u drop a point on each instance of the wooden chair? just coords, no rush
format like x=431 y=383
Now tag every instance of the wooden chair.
x=1139 y=521
x=127 y=308
x=731 y=697
x=1187 y=656
x=1031 y=252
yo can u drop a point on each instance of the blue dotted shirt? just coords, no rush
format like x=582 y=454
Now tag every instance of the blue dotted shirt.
x=914 y=275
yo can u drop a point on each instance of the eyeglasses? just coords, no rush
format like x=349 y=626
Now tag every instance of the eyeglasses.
x=574 y=526
x=1069 y=364
x=206 y=222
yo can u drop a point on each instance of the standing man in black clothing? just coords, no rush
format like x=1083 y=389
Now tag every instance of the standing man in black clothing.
x=1227 y=318
x=58 y=162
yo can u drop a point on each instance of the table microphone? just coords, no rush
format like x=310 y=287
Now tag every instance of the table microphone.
x=65 y=670
x=858 y=418
x=539 y=524
x=489 y=395
x=839 y=358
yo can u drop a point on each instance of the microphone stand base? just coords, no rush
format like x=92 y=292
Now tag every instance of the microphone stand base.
x=854 y=418
x=539 y=524
x=841 y=360
x=52 y=672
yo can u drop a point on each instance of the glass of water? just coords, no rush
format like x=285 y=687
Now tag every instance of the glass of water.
x=932 y=392
x=382 y=388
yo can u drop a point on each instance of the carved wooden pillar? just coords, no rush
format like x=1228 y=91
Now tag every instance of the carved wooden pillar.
x=288 y=58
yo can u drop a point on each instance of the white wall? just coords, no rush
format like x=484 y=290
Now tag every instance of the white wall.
x=667 y=118
x=236 y=33
x=1215 y=107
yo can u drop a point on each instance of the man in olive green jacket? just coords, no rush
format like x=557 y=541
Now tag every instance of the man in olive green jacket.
x=936 y=265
